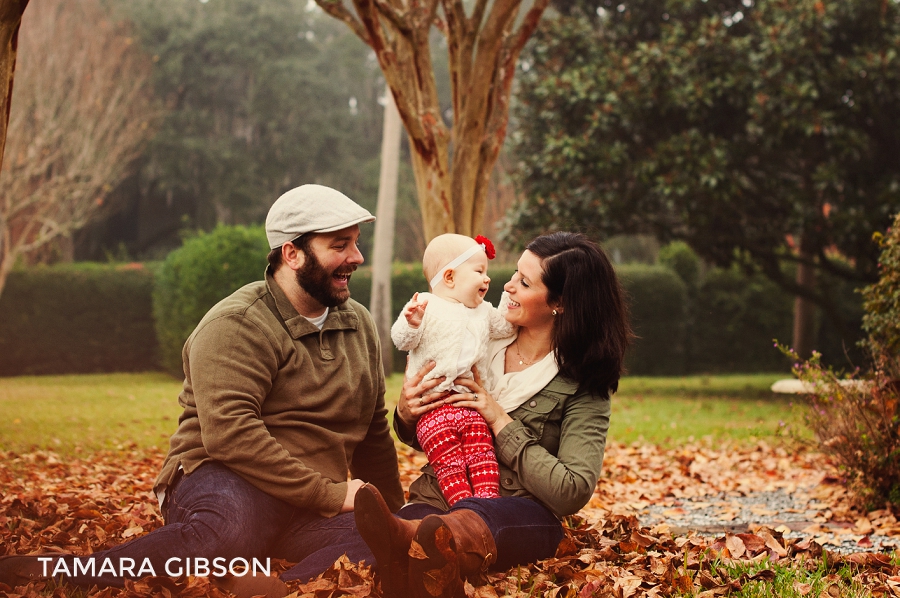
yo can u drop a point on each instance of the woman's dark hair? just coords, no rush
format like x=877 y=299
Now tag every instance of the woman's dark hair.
x=592 y=332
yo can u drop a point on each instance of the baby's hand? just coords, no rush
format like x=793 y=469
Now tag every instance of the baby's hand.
x=415 y=311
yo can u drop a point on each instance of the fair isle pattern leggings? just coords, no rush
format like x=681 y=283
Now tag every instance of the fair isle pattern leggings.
x=458 y=441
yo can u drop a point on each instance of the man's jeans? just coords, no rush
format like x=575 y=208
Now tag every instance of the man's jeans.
x=213 y=513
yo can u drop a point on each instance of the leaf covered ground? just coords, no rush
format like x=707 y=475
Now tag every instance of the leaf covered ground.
x=96 y=500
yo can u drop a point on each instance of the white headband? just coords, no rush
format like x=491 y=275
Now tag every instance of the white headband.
x=439 y=277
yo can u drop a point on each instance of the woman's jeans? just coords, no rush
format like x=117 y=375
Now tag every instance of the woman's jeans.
x=214 y=513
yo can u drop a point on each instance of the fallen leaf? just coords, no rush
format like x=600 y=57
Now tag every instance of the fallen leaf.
x=735 y=546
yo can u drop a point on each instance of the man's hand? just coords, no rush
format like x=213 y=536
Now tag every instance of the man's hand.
x=353 y=487
x=415 y=311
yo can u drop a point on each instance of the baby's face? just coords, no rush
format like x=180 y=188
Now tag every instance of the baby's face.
x=470 y=281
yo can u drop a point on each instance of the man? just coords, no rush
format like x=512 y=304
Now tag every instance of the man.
x=283 y=395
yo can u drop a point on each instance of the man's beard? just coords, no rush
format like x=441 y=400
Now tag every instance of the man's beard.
x=318 y=282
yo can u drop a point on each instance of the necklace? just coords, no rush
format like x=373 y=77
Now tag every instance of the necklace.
x=522 y=360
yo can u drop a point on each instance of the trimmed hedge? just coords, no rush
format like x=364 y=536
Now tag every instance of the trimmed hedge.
x=734 y=320
x=100 y=318
x=77 y=318
x=658 y=299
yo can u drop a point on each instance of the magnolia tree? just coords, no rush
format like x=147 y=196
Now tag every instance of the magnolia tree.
x=452 y=163
x=80 y=114
x=760 y=132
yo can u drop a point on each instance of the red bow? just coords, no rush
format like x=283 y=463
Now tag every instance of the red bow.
x=488 y=246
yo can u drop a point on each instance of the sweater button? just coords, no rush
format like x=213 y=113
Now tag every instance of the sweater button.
x=507 y=481
x=532 y=404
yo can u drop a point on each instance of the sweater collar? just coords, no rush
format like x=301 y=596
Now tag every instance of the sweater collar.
x=342 y=317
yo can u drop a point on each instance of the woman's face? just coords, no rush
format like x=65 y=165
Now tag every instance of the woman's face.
x=528 y=295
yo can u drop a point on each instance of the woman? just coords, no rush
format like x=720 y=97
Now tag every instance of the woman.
x=549 y=413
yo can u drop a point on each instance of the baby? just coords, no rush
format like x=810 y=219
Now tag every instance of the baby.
x=452 y=326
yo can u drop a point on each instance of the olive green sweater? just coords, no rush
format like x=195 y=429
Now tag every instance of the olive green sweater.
x=289 y=408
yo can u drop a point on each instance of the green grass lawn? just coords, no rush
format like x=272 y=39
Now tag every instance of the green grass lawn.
x=87 y=412
x=107 y=411
x=668 y=410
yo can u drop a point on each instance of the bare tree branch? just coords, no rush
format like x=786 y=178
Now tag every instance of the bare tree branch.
x=398 y=18
x=336 y=9
x=477 y=15
x=526 y=29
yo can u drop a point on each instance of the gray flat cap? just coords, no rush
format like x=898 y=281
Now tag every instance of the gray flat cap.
x=311 y=209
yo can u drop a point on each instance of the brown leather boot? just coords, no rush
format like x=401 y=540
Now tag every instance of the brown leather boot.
x=389 y=538
x=18 y=570
x=447 y=550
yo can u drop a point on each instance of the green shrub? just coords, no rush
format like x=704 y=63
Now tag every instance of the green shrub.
x=857 y=421
x=77 y=318
x=199 y=274
x=882 y=299
x=679 y=257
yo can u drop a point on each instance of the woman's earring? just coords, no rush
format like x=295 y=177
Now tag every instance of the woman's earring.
x=554 y=312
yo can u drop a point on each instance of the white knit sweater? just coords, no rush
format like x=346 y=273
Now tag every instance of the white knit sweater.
x=455 y=337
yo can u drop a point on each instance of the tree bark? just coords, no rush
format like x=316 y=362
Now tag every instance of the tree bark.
x=483 y=48
x=382 y=252
x=11 y=12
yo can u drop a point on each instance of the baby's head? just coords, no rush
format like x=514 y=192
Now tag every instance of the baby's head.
x=464 y=281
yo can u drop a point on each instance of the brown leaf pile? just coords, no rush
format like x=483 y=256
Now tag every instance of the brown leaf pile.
x=96 y=501
x=618 y=557
x=696 y=475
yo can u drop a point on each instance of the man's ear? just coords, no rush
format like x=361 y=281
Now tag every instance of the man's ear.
x=448 y=278
x=292 y=257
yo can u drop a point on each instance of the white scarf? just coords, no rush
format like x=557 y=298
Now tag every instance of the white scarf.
x=513 y=389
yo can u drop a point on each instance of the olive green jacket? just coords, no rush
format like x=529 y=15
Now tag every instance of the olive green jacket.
x=289 y=408
x=551 y=452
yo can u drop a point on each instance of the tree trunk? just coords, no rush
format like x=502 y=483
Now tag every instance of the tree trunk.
x=804 y=309
x=382 y=253
x=483 y=45
x=11 y=12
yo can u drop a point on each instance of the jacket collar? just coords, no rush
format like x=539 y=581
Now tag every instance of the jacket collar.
x=342 y=317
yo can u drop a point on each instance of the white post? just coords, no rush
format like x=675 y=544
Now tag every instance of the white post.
x=383 y=249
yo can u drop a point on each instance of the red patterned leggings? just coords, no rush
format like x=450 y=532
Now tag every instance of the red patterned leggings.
x=457 y=440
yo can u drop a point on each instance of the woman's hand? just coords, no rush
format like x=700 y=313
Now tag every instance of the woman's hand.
x=415 y=400
x=481 y=401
